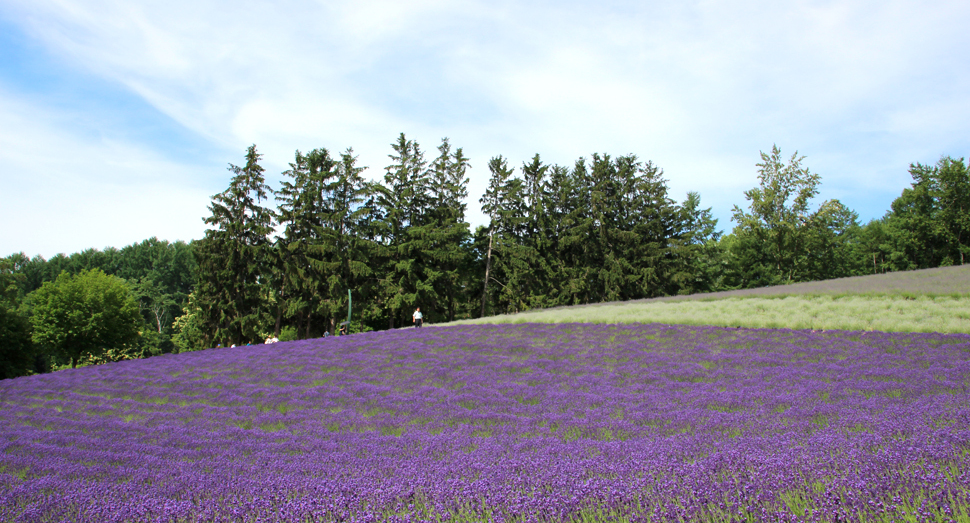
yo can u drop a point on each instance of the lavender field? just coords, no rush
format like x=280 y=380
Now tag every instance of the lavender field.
x=530 y=422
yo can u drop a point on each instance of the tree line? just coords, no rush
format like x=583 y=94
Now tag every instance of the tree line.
x=287 y=262
x=43 y=303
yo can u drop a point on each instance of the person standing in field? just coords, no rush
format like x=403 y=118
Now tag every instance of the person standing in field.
x=417 y=318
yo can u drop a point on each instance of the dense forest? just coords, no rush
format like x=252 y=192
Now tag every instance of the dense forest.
x=289 y=262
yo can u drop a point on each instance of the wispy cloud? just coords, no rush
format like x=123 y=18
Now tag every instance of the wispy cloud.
x=862 y=88
x=67 y=191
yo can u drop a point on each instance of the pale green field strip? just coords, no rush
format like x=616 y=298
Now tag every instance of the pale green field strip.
x=889 y=313
x=942 y=281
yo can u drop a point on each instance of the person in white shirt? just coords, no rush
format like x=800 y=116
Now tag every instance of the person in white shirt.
x=417 y=317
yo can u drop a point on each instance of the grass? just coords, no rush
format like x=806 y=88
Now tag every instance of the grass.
x=933 y=300
x=879 y=313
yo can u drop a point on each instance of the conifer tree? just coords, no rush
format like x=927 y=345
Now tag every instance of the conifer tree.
x=404 y=201
x=574 y=238
x=449 y=234
x=535 y=251
x=233 y=256
x=654 y=220
x=495 y=205
x=343 y=252
x=511 y=261
x=301 y=206
x=696 y=251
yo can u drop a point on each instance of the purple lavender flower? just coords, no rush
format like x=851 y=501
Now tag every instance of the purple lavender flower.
x=546 y=422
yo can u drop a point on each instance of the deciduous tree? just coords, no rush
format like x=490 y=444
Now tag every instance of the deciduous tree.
x=929 y=223
x=86 y=314
x=779 y=239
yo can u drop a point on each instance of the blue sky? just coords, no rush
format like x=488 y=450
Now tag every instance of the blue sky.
x=118 y=119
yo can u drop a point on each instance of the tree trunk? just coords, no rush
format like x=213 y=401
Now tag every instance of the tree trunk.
x=488 y=266
x=157 y=311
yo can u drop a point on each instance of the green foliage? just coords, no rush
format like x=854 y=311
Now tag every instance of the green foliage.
x=605 y=230
x=423 y=239
x=929 y=224
x=404 y=203
x=288 y=333
x=17 y=353
x=234 y=258
x=301 y=206
x=85 y=315
x=327 y=246
x=160 y=275
x=448 y=232
x=496 y=204
x=779 y=240
x=188 y=329
x=698 y=265
x=18 y=356
x=342 y=247
x=171 y=265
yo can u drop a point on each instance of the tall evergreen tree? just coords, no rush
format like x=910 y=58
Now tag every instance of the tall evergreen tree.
x=560 y=200
x=343 y=253
x=697 y=252
x=510 y=252
x=575 y=233
x=233 y=256
x=404 y=202
x=644 y=223
x=495 y=204
x=532 y=273
x=449 y=234
x=301 y=208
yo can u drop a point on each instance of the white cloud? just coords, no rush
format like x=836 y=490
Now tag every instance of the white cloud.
x=862 y=87
x=66 y=191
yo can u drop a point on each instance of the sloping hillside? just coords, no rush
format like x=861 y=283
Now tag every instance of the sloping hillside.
x=513 y=423
x=932 y=300
x=943 y=281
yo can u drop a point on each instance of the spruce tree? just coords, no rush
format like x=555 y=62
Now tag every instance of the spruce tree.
x=495 y=204
x=512 y=264
x=449 y=234
x=233 y=256
x=654 y=220
x=301 y=205
x=533 y=275
x=343 y=251
x=695 y=249
x=404 y=202
x=574 y=239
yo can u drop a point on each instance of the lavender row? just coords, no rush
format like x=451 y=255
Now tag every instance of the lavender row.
x=503 y=423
